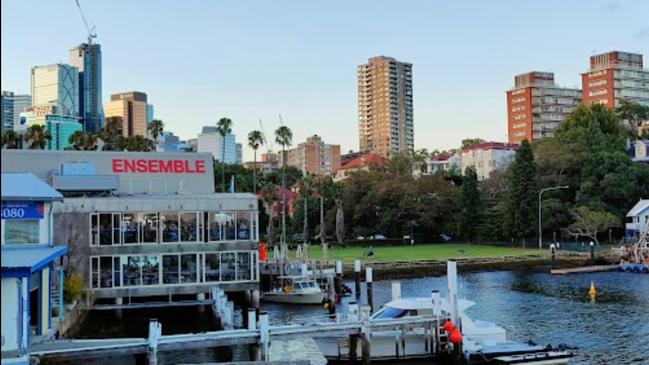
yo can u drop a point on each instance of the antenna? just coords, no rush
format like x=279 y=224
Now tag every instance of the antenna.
x=91 y=31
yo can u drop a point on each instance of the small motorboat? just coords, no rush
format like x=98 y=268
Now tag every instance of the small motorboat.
x=295 y=290
x=483 y=342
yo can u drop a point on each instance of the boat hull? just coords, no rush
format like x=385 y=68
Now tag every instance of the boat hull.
x=293 y=298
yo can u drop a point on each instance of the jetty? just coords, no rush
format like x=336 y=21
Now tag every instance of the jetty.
x=585 y=269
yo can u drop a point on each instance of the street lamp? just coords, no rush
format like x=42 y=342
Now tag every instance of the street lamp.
x=540 y=226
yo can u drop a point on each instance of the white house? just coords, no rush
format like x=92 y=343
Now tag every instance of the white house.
x=636 y=218
x=28 y=258
x=487 y=157
x=443 y=162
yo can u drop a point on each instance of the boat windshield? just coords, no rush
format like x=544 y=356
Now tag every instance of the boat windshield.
x=388 y=313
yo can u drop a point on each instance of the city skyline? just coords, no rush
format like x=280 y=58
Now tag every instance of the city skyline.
x=260 y=67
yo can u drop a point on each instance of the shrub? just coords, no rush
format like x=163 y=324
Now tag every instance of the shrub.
x=55 y=312
x=72 y=287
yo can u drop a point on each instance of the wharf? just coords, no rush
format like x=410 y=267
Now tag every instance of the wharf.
x=586 y=269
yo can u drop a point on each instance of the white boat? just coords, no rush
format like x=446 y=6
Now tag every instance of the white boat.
x=482 y=341
x=295 y=290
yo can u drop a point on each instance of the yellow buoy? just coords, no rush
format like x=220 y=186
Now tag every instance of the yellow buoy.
x=592 y=291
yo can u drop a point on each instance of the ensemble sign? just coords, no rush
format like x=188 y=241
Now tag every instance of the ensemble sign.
x=22 y=210
x=124 y=165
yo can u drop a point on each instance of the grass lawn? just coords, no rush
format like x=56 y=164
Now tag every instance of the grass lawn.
x=440 y=251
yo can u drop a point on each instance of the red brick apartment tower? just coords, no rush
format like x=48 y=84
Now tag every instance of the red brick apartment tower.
x=536 y=106
x=614 y=76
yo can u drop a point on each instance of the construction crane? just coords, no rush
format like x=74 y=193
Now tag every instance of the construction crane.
x=91 y=30
x=269 y=148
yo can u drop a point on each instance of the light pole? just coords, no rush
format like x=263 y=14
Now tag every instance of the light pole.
x=540 y=226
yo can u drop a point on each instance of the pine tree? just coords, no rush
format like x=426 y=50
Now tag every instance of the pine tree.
x=470 y=204
x=522 y=194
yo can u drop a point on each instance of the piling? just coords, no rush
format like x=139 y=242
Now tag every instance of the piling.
x=395 y=290
x=357 y=278
x=553 y=255
x=331 y=296
x=592 y=253
x=366 y=346
x=264 y=337
x=437 y=312
x=339 y=277
x=370 y=288
x=253 y=350
x=451 y=269
x=155 y=331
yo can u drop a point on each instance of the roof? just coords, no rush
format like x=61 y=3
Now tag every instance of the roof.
x=641 y=205
x=425 y=303
x=29 y=257
x=491 y=146
x=370 y=159
x=27 y=187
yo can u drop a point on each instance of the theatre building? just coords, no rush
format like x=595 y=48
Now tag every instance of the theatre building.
x=147 y=224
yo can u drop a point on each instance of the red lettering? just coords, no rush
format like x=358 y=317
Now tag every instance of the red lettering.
x=187 y=168
x=153 y=166
x=158 y=166
x=118 y=165
x=166 y=166
x=178 y=166
x=200 y=166
x=129 y=166
x=141 y=165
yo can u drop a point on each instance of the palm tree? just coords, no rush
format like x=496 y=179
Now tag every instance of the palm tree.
x=10 y=139
x=255 y=139
x=156 y=127
x=84 y=141
x=284 y=136
x=37 y=136
x=112 y=134
x=224 y=126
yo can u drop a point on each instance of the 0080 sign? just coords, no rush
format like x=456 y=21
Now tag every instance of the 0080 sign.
x=27 y=210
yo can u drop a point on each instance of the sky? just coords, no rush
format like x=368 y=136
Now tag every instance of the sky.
x=199 y=61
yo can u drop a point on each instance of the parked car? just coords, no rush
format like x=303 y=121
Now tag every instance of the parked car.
x=379 y=237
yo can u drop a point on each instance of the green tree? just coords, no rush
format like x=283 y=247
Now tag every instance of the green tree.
x=155 y=128
x=522 y=193
x=37 y=137
x=632 y=113
x=112 y=134
x=284 y=137
x=10 y=139
x=589 y=222
x=470 y=142
x=83 y=141
x=224 y=127
x=255 y=140
x=470 y=205
x=137 y=143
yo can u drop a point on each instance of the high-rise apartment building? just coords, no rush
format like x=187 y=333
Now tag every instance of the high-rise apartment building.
x=536 y=106
x=615 y=76
x=315 y=157
x=210 y=140
x=131 y=107
x=87 y=59
x=385 y=112
x=56 y=86
x=12 y=105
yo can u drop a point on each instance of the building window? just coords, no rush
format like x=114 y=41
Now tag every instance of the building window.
x=169 y=223
x=132 y=272
x=106 y=272
x=22 y=231
x=170 y=269
x=188 y=227
x=150 y=270
x=212 y=264
x=243 y=266
x=228 y=266
x=188 y=268
x=149 y=227
x=105 y=229
x=243 y=224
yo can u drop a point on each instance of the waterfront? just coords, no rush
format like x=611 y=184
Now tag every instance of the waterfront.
x=614 y=329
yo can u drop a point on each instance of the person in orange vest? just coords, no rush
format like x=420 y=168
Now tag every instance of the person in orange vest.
x=262 y=252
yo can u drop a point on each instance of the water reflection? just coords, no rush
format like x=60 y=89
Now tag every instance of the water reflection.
x=614 y=329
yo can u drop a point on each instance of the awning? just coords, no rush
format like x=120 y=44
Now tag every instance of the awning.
x=27 y=187
x=19 y=260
